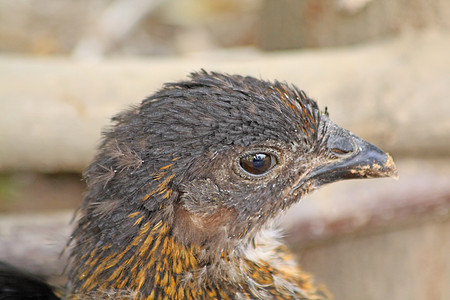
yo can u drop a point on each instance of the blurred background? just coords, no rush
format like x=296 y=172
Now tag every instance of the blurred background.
x=382 y=67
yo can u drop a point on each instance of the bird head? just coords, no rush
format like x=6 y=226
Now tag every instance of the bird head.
x=217 y=157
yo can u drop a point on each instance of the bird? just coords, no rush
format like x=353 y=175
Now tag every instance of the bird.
x=19 y=284
x=184 y=193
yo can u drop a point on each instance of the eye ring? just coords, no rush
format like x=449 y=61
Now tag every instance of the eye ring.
x=257 y=164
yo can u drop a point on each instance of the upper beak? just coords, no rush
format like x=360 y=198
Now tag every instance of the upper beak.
x=364 y=161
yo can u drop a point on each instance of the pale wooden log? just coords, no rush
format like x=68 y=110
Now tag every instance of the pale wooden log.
x=394 y=93
x=35 y=241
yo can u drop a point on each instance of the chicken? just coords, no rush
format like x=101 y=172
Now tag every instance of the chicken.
x=184 y=192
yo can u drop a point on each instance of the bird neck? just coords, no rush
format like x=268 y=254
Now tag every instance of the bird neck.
x=147 y=265
x=155 y=263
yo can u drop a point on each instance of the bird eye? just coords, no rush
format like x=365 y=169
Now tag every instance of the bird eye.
x=257 y=163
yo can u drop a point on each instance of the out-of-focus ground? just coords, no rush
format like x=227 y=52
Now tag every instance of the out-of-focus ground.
x=382 y=67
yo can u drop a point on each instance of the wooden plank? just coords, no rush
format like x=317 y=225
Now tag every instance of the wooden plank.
x=394 y=94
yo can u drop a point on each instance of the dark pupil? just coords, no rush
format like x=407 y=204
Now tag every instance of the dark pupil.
x=256 y=164
x=259 y=160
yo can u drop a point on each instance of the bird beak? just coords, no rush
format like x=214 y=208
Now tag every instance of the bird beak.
x=365 y=161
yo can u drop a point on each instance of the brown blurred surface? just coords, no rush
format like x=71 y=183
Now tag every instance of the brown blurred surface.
x=293 y=24
x=131 y=27
x=139 y=27
x=25 y=192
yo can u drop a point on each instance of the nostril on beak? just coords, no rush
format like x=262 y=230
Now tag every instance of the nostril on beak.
x=341 y=145
x=340 y=151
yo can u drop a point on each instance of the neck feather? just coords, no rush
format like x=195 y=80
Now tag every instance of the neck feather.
x=154 y=264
